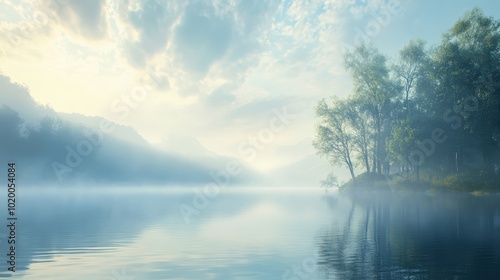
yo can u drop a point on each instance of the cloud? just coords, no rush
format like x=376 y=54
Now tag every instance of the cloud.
x=202 y=37
x=84 y=18
x=221 y=32
x=229 y=62
x=253 y=114
x=200 y=45
x=153 y=22
x=221 y=96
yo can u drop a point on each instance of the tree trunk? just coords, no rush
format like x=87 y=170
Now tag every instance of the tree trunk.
x=407 y=102
x=351 y=170
x=378 y=141
x=374 y=161
x=350 y=165
x=367 y=163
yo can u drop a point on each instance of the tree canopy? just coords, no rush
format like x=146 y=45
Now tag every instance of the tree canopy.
x=430 y=108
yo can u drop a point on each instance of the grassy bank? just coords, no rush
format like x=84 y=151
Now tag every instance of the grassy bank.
x=470 y=182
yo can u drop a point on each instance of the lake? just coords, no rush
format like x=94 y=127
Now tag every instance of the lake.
x=252 y=233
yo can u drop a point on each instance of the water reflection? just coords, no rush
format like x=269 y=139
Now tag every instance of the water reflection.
x=255 y=234
x=389 y=236
x=95 y=235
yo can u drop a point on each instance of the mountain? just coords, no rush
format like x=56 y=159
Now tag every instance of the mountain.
x=66 y=149
x=190 y=148
x=122 y=132
x=186 y=146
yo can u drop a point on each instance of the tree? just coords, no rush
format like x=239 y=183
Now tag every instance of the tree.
x=375 y=90
x=439 y=105
x=334 y=138
x=402 y=143
x=330 y=182
x=408 y=68
x=362 y=135
x=407 y=71
x=466 y=66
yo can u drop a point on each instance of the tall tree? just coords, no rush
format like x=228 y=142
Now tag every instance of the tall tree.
x=408 y=68
x=437 y=107
x=359 y=122
x=375 y=90
x=467 y=64
x=334 y=137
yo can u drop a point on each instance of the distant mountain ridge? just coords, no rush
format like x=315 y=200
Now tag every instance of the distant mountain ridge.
x=60 y=148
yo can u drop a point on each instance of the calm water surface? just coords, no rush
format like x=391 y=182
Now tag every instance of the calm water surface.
x=253 y=233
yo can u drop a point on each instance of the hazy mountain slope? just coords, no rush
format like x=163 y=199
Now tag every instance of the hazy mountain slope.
x=58 y=148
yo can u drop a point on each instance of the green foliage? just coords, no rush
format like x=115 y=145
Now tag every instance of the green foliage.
x=402 y=142
x=470 y=181
x=333 y=136
x=330 y=182
x=452 y=88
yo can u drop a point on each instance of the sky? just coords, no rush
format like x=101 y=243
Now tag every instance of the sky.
x=240 y=77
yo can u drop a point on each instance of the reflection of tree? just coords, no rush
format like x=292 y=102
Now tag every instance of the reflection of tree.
x=413 y=237
x=336 y=253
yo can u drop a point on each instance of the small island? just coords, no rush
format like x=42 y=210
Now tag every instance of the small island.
x=427 y=119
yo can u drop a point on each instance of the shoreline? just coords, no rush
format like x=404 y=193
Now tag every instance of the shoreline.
x=469 y=183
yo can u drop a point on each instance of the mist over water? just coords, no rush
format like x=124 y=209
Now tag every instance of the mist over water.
x=200 y=139
x=255 y=233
